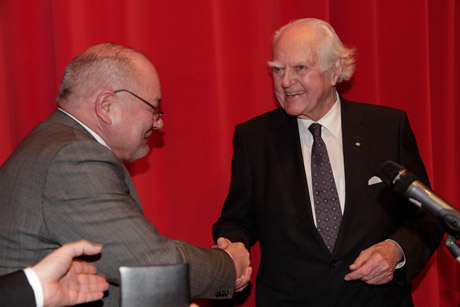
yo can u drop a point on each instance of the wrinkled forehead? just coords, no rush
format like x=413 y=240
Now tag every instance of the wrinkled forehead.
x=295 y=46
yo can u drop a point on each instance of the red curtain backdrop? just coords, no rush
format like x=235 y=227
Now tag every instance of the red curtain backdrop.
x=211 y=56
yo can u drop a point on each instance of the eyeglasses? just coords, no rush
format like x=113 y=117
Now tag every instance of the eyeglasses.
x=157 y=114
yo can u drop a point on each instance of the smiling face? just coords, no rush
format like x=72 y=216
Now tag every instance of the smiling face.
x=135 y=120
x=300 y=85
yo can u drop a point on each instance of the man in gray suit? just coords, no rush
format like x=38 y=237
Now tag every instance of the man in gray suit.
x=66 y=180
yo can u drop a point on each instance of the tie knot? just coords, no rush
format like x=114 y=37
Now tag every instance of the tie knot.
x=315 y=129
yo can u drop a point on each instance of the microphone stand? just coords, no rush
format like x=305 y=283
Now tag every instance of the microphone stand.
x=452 y=246
x=450 y=217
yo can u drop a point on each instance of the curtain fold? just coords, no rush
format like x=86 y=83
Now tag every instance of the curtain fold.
x=212 y=58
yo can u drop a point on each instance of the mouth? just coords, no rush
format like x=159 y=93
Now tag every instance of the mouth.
x=148 y=134
x=291 y=94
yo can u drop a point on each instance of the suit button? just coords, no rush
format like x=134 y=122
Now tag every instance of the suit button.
x=333 y=264
x=222 y=293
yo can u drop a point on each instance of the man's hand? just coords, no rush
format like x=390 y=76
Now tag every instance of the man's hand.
x=240 y=256
x=66 y=281
x=376 y=264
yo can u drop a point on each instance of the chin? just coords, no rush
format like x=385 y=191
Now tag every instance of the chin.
x=292 y=111
x=141 y=153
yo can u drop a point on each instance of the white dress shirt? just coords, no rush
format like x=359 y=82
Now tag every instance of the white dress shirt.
x=36 y=285
x=94 y=134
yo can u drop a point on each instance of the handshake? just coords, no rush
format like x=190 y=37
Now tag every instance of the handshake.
x=240 y=256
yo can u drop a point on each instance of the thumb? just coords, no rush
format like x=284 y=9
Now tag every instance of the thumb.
x=223 y=242
x=82 y=247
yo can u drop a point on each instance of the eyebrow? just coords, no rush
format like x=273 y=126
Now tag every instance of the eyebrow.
x=273 y=64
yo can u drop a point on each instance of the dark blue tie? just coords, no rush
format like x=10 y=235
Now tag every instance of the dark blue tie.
x=327 y=205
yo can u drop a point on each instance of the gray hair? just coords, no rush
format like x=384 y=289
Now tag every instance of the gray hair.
x=328 y=47
x=106 y=65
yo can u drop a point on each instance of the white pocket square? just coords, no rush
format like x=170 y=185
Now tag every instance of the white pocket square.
x=374 y=180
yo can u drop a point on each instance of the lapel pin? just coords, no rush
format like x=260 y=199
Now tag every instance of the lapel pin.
x=358 y=140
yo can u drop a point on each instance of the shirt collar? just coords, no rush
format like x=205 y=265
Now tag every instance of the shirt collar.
x=94 y=134
x=332 y=121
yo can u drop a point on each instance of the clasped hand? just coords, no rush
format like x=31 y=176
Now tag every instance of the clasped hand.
x=240 y=256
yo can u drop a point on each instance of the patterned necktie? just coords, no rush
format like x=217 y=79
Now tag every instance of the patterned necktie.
x=327 y=205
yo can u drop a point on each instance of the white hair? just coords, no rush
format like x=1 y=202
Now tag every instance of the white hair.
x=328 y=47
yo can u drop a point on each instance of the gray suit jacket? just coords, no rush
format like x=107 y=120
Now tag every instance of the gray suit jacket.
x=60 y=185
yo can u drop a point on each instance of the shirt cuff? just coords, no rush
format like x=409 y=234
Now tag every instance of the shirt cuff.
x=401 y=263
x=36 y=285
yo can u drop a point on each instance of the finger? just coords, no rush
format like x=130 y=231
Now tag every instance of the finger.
x=85 y=297
x=223 y=242
x=243 y=280
x=241 y=288
x=240 y=285
x=92 y=283
x=374 y=271
x=362 y=269
x=362 y=259
x=79 y=266
x=248 y=273
x=353 y=276
x=246 y=276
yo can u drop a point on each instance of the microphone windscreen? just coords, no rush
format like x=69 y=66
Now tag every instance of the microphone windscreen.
x=389 y=171
x=403 y=182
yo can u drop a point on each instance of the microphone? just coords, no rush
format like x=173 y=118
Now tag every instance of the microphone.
x=406 y=184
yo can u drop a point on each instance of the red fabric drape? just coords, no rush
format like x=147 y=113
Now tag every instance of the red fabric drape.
x=211 y=56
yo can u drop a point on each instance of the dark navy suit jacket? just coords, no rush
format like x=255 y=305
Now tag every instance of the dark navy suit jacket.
x=269 y=201
x=15 y=290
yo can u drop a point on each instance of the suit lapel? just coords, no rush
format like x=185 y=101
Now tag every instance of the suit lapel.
x=355 y=139
x=287 y=146
x=132 y=189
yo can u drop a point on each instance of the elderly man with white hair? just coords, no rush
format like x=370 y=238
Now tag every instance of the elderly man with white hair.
x=305 y=185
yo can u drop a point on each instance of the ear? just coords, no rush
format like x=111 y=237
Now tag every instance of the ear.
x=337 y=69
x=104 y=106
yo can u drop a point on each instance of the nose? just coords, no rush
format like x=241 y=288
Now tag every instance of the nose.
x=288 y=78
x=158 y=124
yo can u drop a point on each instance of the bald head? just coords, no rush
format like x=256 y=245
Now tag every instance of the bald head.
x=115 y=92
x=103 y=66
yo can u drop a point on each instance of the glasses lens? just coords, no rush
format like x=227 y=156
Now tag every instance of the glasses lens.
x=157 y=114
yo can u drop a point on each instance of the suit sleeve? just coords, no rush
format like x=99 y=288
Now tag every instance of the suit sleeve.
x=89 y=194
x=238 y=214
x=15 y=290
x=420 y=233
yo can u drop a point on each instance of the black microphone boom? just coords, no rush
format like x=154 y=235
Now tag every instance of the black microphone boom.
x=406 y=184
